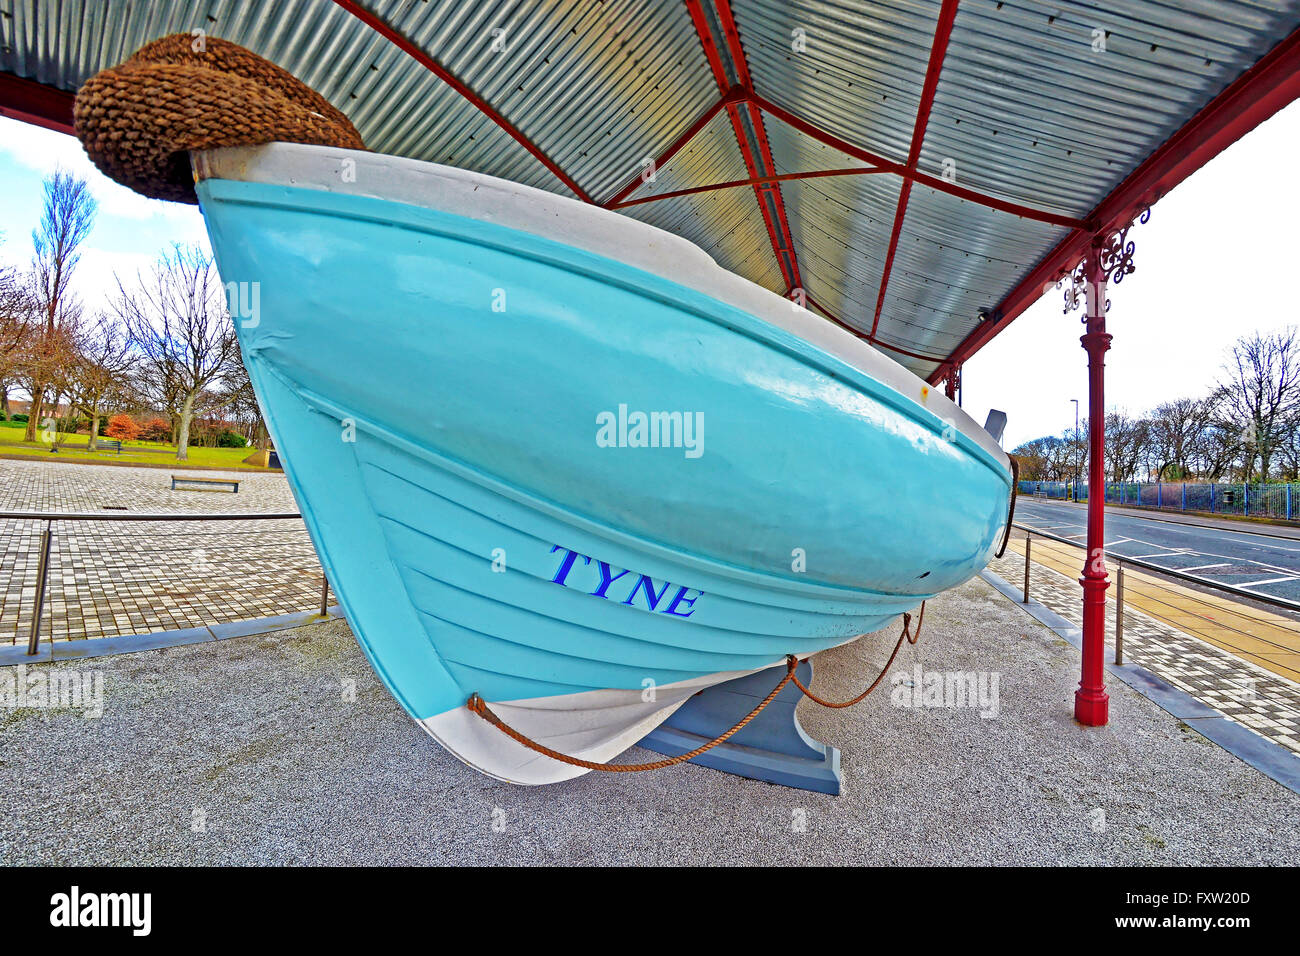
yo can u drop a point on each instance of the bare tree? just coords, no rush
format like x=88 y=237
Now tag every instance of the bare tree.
x=178 y=322
x=1126 y=439
x=242 y=406
x=1261 y=390
x=1046 y=459
x=104 y=363
x=66 y=220
x=1174 y=429
x=1218 y=445
x=17 y=311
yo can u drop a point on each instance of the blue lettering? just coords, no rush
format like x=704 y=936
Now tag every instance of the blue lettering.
x=682 y=603
x=606 y=579
x=566 y=564
x=645 y=583
x=678 y=599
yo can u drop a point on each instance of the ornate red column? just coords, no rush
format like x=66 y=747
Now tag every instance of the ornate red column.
x=1091 y=702
x=952 y=382
x=1109 y=259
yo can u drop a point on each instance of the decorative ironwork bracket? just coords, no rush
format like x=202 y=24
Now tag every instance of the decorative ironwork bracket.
x=1115 y=259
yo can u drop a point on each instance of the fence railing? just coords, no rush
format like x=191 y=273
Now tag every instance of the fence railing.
x=203 y=564
x=1242 y=498
x=1242 y=631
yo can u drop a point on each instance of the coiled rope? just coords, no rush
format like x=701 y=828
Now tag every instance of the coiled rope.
x=477 y=705
x=139 y=121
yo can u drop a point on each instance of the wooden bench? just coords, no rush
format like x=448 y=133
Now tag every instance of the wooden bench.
x=204 y=484
x=108 y=444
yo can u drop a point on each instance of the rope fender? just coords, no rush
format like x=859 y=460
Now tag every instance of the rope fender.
x=477 y=705
x=139 y=120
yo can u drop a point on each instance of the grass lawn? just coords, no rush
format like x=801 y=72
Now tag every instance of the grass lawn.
x=159 y=454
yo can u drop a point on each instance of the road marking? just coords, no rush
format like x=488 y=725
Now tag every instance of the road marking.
x=1202 y=567
x=1274 y=567
x=1289 y=577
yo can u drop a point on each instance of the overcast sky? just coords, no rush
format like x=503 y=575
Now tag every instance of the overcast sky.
x=1217 y=260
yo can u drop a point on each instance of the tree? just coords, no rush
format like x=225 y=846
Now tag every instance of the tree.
x=1174 y=430
x=1033 y=460
x=17 y=312
x=242 y=407
x=122 y=427
x=156 y=429
x=67 y=217
x=104 y=360
x=1261 y=390
x=178 y=322
x=1045 y=459
x=1125 y=440
x=1218 y=443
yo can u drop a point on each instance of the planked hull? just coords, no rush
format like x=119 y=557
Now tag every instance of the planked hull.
x=454 y=371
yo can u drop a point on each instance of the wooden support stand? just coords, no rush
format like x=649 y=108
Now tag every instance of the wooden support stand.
x=772 y=747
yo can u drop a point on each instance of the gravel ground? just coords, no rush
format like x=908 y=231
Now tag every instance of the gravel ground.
x=250 y=751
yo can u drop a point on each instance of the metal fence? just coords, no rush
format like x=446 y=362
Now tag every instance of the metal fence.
x=74 y=575
x=1239 y=628
x=1254 y=500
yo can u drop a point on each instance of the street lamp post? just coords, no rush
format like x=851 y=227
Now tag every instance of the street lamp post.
x=1074 y=489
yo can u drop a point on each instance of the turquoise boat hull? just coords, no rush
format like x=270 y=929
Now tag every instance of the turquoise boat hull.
x=458 y=401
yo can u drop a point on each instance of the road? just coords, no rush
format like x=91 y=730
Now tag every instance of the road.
x=1256 y=559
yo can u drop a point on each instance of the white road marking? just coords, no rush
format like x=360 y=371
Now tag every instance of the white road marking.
x=1202 y=567
x=1288 y=578
x=1273 y=567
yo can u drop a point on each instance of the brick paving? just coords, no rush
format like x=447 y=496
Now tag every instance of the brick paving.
x=109 y=579
x=1250 y=695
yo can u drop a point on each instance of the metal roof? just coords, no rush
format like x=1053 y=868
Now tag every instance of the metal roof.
x=919 y=168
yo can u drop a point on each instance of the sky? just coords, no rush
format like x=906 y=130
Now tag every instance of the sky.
x=1217 y=260
x=130 y=231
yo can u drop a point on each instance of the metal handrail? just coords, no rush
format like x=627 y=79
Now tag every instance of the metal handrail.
x=1120 y=560
x=47 y=546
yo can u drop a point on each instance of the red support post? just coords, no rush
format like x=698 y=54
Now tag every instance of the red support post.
x=1091 y=702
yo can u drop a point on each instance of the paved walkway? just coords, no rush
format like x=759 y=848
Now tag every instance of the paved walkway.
x=1157 y=619
x=109 y=579
x=285 y=748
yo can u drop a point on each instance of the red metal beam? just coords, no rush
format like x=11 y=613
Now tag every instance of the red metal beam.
x=767 y=168
x=1260 y=92
x=900 y=169
x=938 y=49
x=778 y=228
x=734 y=95
x=734 y=183
x=36 y=103
x=410 y=49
